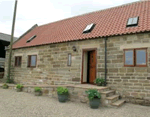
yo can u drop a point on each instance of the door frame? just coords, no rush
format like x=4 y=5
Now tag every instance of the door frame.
x=86 y=50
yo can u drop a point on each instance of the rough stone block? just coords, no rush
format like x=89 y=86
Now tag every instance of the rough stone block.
x=125 y=78
x=75 y=79
x=101 y=70
x=25 y=89
x=138 y=101
x=83 y=99
x=133 y=81
x=52 y=45
x=45 y=92
x=130 y=69
x=147 y=87
x=140 y=69
x=122 y=70
x=110 y=45
x=119 y=56
x=113 y=70
x=146 y=84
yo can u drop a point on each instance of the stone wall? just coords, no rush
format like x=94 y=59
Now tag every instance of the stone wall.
x=133 y=83
x=76 y=93
x=52 y=63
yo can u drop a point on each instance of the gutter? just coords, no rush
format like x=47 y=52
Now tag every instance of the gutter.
x=105 y=60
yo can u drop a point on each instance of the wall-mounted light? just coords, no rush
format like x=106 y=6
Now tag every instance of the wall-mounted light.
x=74 y=48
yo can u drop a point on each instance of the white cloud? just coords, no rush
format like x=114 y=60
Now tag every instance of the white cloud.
x=30 y=12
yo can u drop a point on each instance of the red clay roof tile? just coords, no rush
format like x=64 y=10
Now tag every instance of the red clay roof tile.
x=108 y=22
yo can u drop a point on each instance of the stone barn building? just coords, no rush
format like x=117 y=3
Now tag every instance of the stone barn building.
x=113 y=43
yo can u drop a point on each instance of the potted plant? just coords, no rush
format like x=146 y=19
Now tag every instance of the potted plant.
x=94 y=98
x=19 y=87
x=99 y=81
x=5 y=86
x=62 y=94
x=38 y=91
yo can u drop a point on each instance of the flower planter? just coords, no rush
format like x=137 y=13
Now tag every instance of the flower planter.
x=94 y=103
x=62 y=93
x=62 y=97
x=38 y=93
x=19 y=89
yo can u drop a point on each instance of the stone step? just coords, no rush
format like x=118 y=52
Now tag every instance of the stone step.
x=104 y=89
x=118 y=103
x=112 y=99
x=107 y=93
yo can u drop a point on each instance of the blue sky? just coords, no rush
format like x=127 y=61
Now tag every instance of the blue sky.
x=30 y=12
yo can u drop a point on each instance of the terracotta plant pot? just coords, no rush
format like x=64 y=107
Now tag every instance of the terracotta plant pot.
x=62 y=97
x=38 y=93
x=94 y=103
x=19 y=89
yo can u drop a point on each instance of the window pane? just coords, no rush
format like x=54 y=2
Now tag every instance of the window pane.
x=140 y=57
x=33 y=60
x=130 y=21
x=17 y=61
x=88 y=27
x=129 y=57
x=135 y=20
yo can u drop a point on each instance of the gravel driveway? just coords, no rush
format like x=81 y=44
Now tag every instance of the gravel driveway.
x=21 y=104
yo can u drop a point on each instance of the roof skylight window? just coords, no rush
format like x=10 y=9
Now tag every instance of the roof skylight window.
x=89 y=28
x=31 y=38
x=132 y=21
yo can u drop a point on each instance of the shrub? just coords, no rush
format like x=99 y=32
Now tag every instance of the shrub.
x=93 y=93
x=99 y=80
x=62 y=90
x=5 y=85
x=19 y=86
x=37 y=89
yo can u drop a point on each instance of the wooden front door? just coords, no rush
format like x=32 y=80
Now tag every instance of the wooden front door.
x=92 y=66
